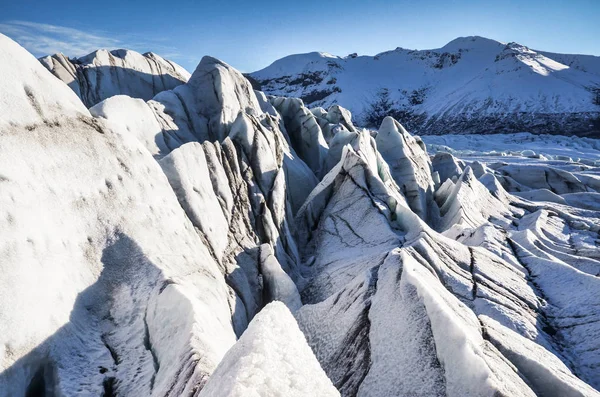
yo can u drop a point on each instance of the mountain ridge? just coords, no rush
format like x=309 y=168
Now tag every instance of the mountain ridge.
x=470 y=85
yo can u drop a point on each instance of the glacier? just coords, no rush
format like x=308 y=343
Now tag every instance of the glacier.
x=103 y=74
x=211 y=240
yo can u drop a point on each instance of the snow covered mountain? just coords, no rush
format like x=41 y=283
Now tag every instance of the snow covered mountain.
x=471 y=85
x=212 y=241
x=103 y=74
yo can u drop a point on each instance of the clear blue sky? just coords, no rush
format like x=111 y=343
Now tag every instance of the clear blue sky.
x=251 y=34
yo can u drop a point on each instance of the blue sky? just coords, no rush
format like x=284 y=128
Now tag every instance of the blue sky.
x=251 y=34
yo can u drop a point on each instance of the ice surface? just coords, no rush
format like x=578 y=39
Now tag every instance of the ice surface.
x=133 y=116
x=409 y=165
x=111 y=234
x=103 y=74
x=138 y=245
x=279 y=286
x=510 y=147
x=446 y=166
x=270 y=359
x=487 y=275
x=470 y=204
x=304 y=132
x=28 y=93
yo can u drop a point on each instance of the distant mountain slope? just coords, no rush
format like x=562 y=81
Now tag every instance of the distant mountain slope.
x=471 y=85
x=103 y=74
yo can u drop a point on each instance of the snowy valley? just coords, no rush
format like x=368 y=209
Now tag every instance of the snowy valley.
x=189 y=235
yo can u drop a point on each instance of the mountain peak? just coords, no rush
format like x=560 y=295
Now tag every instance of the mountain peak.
x=472 y=42
x=488 y=82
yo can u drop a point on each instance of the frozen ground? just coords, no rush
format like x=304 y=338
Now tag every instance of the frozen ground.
x=519 y=147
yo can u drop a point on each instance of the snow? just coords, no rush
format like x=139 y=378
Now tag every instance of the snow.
x=457 y=281
x=133 y=116
x=138 y=245
x=446 y=166
x=196 y=194
x=28 y=93
x=270 y=359
x=348 y=217
x=547 y=374
x=509 y=147
x=304 y=131
x=337 y=330
x=338 y=115
x=472 y=84
x=110 y=232
x=590 y=200
x=459 y=344
x=409 y=165
x=216 y=195
x=470 y=204
x=397 y=310
x=279 y=286
x=541 y=195
x=87 y=208
x=104 y=74
x=221 y=92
